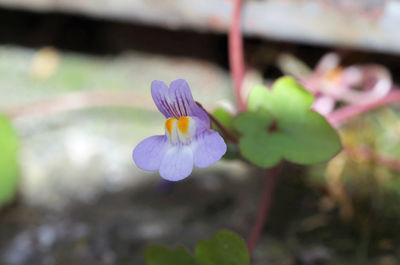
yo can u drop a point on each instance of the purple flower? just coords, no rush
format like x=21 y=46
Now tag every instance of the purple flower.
x=188 y=140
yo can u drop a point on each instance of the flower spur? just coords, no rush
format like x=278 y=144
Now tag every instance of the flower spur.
x=188 y=140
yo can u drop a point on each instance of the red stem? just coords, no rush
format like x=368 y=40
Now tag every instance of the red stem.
x=264 y=207
x=342 y=115
x=382 y=159
x=236 y=60
x=230 y=136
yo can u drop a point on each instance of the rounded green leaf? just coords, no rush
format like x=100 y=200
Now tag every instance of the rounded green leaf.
x=232 y=151
x=301 y=136
x=8 y=161
x=253 y=121
x=225 y=248
x=258 y=98
x=311 y=140
x=159 y=255
x=224 y=117
x=261 y=149
x=289 y=98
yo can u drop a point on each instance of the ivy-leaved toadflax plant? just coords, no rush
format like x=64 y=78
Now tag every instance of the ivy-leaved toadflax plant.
x=188 y=140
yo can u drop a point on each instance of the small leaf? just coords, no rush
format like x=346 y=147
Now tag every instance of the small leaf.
x=159 y=255
x=225 y=248
x=8 y=161
x=224 y=117
x=285 y=97
x=249 y=122
x=261 y=149
x=257 y=97
x=232 y=151
x=301 y=135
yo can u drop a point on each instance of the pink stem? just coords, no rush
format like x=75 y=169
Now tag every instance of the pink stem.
x=382 y=159
x=236 y=60
x=264 y=207
x=342 y=115
x=230 y=136
x=390 y=162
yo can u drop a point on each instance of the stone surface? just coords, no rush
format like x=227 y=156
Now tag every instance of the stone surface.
x=364 y=24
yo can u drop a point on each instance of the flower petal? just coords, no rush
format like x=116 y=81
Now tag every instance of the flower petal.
x=149 y=153
x=324 y=105
x=182 y=100
x=177 y=163
x=327 y=63
x=208 y=149
x=158 y=91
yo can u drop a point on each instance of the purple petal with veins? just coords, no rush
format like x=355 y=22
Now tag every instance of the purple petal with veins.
x=188 y=140
x=158 y=90
x=177 y=100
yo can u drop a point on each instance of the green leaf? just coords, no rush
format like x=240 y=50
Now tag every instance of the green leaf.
x=232 y=151
x=225 y=248
x=159 y=255
x=285 y=100
x=253 y=121
x=301 y=135
x=261 y=149
x=8 y=161
x=224 y=117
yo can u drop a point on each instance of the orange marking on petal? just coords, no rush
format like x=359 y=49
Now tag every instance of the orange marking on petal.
x=334 y=74
x=169 y=124
x=183 y=124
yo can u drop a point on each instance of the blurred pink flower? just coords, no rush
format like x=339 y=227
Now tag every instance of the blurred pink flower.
x=358 y=84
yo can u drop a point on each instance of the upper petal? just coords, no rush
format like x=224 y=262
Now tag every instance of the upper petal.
x=181 y=94
x=327 y=63
x=159 y=91
x=208 y=148
x=324 y=105
x=149 y=153
x=177 y=163
x=177 y=100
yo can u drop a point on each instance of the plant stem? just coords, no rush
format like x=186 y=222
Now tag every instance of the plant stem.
x=271 y=176
x=236 y=60
x=382 y=159
x=342 y=115
x=223 y=129
x=230 y=136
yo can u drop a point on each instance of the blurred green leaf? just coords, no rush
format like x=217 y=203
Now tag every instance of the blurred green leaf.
x=225 y=248
x=8 y=161
x=232 y=151
x=224 y=117
x=253 y=121
x=159 y=255
x=301 y=135
x=285 y=97
x=262 y=149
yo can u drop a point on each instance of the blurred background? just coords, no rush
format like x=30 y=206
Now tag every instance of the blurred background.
x=75 y=84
